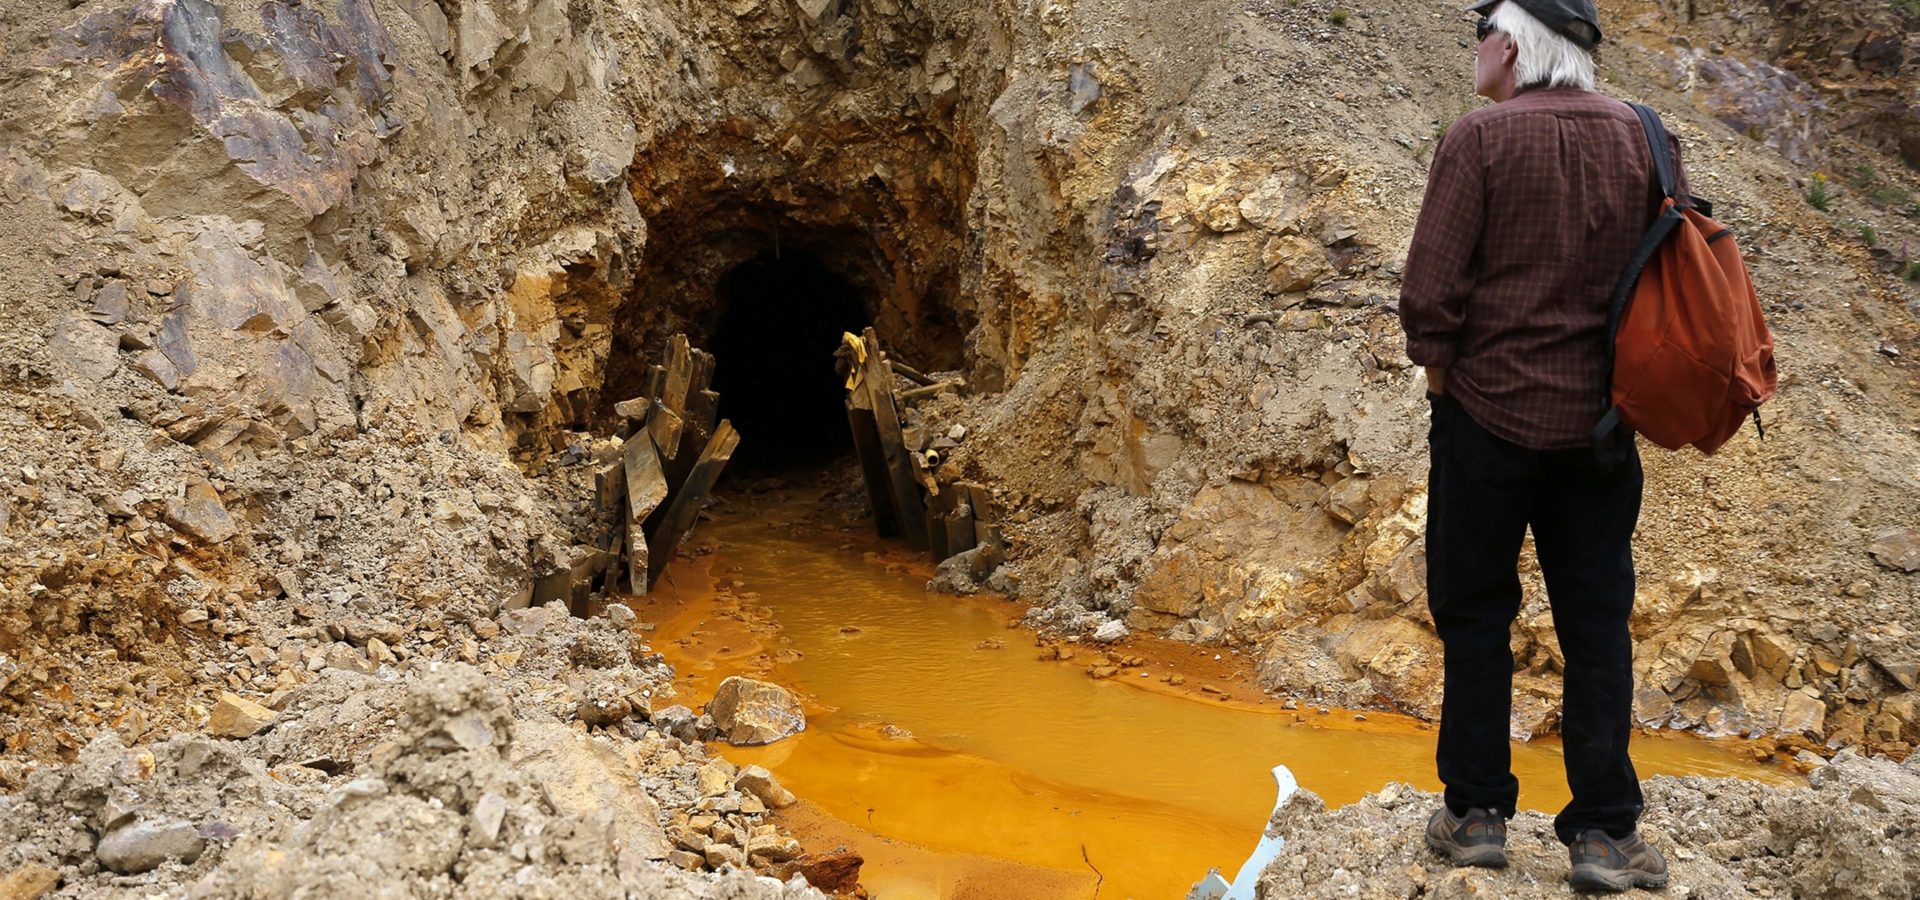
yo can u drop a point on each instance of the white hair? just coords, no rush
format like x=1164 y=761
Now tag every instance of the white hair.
x=1542 y=57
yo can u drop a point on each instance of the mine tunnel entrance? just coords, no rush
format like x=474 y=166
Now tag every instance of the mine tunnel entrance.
x=781 y=317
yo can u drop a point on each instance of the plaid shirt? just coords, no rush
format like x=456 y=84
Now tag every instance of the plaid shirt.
x=1532 y=208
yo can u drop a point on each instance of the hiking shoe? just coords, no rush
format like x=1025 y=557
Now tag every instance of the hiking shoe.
x=1477 y=839
x=1602 y=863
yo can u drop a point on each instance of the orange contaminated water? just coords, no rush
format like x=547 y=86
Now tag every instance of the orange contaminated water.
x=942 y=749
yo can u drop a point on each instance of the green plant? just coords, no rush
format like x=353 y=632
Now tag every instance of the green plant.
x=1913 y=271
x=1894 y=198
x=1819 y=195
x=1867 y=234
x=1910 y=7
x=1338 y=16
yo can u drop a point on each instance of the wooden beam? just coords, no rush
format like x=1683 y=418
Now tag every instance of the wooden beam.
x=557 y=586
x=656 y=382
x=935 y=526
x=959 y=524
x=614 y=545
x=587 y=565
x=912 y=374
x=689 y=498
x=703 y=364
x=646 y=488
x=980 y=499
x=932 y=389
x=610 y=517
x=906 y=491
x=665 y=425
x=679 y=374
x=609 y=488
x=873 y=469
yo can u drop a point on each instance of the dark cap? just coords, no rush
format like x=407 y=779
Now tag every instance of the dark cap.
x=1575 y=20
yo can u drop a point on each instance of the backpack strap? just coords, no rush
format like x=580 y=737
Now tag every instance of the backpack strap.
x=1657 y=145
x=1662 y=226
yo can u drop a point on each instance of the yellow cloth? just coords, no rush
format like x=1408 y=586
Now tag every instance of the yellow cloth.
x=849 y=339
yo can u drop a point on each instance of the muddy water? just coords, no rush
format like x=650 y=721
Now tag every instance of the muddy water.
x=960 y=764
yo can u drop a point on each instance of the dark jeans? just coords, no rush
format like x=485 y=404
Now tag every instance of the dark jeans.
x=1484 y=492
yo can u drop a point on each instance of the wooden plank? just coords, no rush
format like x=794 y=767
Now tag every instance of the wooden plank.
x=936 y=526
x=932 y=389
x=980 y=500
x=702 y=372
x=610 y=487
x=907 y=504
x=557 y=586
x=646 y=488
x=959 y=523
x=679 y=374
x=703 y=409
x=610 y=520
x=852 y=369
x=614 y=544
x=873 y=469
x=910 y=373
x=680 y=514
x=588 y=563
x=665 y=425
x=656 y=382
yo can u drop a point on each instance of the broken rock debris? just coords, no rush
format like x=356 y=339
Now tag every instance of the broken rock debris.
x=235 y=716
x=748 y=712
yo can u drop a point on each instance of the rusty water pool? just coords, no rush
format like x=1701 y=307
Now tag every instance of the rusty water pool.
x=959 y=764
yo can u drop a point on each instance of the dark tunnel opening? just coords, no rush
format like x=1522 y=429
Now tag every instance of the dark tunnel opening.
x=781 y=317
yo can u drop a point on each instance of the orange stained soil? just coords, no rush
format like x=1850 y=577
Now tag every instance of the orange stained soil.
x=944 y=750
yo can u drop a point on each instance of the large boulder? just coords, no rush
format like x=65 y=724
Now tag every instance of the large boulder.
x=751 y=712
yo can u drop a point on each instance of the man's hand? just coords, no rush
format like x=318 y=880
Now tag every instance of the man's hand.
x=1437 y=381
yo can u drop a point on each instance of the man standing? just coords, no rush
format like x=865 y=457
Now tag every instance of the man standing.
x=1532 y=208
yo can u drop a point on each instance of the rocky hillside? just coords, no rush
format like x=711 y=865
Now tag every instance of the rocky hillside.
x=312 y=310
x=1247 y=462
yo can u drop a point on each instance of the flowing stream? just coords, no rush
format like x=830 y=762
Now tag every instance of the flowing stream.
x=960 y=764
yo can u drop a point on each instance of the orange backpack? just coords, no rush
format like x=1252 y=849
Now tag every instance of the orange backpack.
x=1692 y=358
